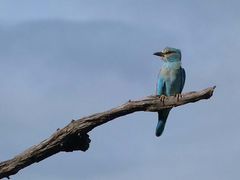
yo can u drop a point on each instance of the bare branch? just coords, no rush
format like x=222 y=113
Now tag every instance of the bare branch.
x=74 y=136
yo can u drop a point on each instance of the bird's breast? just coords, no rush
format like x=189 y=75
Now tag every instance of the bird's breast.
x=167 y=74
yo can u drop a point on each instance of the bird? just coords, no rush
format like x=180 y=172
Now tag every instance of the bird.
x=170 y=82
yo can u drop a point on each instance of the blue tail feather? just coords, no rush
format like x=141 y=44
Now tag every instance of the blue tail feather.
x=162 y=118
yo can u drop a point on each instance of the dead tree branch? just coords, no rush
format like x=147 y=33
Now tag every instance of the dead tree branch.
x=74 y=136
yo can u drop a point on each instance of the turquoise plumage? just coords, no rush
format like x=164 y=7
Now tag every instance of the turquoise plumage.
x=170 y=82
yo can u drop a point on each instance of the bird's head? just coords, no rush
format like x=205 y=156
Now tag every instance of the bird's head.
x=169 y=54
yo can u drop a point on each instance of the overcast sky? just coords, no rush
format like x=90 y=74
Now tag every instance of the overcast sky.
x=62 y=60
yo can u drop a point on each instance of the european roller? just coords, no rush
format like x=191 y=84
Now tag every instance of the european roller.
x=170 y=82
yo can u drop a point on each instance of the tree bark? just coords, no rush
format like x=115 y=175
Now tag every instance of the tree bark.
x=74 y=136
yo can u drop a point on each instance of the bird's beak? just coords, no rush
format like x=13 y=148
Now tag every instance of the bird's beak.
x=161 y=54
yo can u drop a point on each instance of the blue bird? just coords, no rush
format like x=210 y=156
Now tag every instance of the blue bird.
x=170 y=82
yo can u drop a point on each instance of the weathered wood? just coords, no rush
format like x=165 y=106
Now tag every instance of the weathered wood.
x=74 y=136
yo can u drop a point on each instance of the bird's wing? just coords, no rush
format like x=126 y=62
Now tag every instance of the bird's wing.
x=183 y=77
x=160 y=85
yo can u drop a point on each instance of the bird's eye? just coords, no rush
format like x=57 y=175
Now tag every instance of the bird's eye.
x=169 y=52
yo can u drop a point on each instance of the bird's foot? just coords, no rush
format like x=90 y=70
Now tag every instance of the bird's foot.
x=178 y=96
x=162 y=98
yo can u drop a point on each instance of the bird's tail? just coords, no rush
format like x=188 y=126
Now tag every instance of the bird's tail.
x=162 y=118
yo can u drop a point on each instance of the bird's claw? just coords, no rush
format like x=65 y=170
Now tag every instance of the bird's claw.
x=162 y=98
x=178 y=96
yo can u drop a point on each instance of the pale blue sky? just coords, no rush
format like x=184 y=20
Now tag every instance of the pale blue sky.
x=61 y=60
